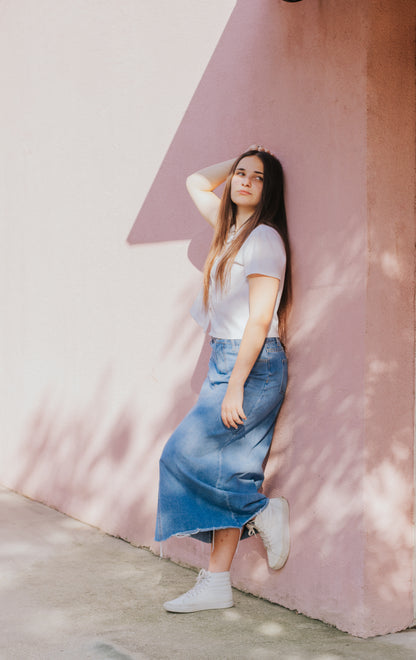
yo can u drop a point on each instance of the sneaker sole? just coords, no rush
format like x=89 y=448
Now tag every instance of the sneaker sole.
x=197 y=608
x=282 y=559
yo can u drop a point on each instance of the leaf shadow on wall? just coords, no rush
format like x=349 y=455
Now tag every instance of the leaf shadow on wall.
x=88 y=459
x=317 y=455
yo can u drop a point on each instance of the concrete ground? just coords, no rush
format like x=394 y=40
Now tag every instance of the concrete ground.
x=70 y=592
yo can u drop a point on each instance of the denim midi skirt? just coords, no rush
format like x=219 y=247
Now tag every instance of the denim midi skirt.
x=209 y=475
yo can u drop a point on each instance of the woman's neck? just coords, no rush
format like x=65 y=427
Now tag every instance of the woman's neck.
x=242 y=217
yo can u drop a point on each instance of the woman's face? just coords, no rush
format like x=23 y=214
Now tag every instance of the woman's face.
x=247 y=183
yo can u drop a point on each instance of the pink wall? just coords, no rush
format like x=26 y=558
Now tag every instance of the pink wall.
x=108 y=108
x=390 y=328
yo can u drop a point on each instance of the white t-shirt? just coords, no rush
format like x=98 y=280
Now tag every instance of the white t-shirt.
x=262 y=253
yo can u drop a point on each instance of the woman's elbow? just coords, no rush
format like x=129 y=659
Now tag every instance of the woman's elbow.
x=189 y=181
x=261 y=323
x=193 y=182
x=197 y=183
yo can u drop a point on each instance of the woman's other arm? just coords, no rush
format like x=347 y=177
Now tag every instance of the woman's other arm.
x=262 y=297
x=201 y=185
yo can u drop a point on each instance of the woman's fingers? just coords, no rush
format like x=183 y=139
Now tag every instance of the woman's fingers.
x=232 y=413
x=232 y=417
x=259 y=147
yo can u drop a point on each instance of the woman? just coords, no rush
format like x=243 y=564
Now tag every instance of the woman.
x=211 y=467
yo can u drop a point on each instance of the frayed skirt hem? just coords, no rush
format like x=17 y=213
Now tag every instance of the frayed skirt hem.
x=205 y=534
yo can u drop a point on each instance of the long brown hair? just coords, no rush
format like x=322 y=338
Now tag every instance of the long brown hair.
x=270 y=211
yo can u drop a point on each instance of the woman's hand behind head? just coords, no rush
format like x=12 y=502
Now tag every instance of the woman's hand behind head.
x=259 y=147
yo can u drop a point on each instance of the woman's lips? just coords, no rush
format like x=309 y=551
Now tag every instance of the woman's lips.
x=243 y=192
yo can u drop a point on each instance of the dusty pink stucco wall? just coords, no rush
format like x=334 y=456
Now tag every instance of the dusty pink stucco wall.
x=108 y=106
x=390 y=313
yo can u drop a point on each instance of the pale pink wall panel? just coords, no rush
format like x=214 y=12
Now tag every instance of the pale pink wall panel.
x=99 y=349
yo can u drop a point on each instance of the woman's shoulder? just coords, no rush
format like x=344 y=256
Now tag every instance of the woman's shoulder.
x=265 y=234
x=264 y=252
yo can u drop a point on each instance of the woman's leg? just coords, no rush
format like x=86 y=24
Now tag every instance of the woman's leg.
x=223 y=549
x=213 y=587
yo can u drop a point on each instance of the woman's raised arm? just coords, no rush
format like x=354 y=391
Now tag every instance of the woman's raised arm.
x=201 y=185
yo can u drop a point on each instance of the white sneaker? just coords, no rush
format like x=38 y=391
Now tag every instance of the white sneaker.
x=212 y=591
x=273 y=526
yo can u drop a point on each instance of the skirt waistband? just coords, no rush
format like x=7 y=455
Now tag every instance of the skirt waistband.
x=270 y=343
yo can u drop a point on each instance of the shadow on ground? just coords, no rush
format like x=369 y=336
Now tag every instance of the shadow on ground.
x=73 y=592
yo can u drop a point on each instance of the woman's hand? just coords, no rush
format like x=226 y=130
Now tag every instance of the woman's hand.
x=232 y=413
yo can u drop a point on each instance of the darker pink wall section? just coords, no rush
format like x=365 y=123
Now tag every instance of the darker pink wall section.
x=390 y=319
x=314 y=85
x=329 y=87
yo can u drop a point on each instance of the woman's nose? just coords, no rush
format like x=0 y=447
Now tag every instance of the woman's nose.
x=246 y=181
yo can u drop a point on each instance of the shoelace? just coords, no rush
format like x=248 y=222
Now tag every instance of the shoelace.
x=251 y=528
x=200 y=583
x=265 y=537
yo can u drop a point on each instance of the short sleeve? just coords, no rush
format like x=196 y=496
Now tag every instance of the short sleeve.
x=264 y=253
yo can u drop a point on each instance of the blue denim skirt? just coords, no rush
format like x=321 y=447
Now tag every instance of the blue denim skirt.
x=209 y=475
